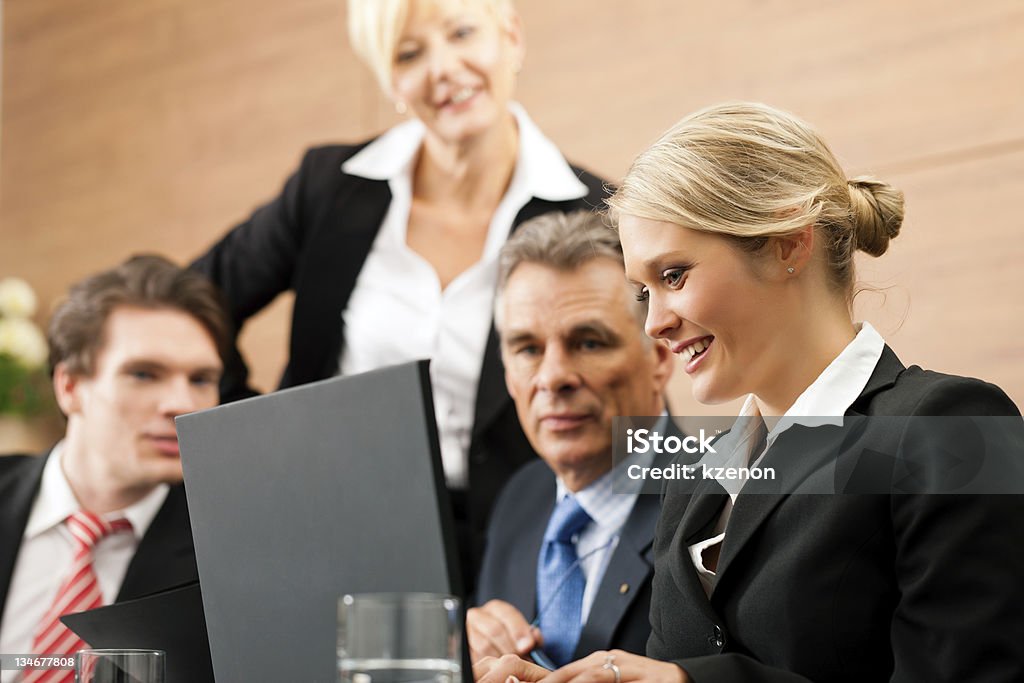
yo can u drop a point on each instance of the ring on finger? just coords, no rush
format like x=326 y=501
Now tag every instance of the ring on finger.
x=609 y=663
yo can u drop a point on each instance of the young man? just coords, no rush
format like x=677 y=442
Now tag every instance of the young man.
x=102 y=516
x=565 y=547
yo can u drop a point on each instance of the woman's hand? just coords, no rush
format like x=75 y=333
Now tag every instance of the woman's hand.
x=615 y=666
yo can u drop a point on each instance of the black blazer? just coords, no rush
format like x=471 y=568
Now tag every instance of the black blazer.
x=314 y=239
x=849 y=587
x=164 y=559
x=618 y=619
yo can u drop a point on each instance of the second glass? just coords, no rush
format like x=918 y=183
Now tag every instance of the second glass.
x=399 y=638
x=120 y=666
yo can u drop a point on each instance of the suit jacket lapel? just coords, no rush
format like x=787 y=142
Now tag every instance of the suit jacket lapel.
x=630 y=564
x=522 y=587
x=165 y=557
x=886 y=371
x=797 y=454
x=338 y=247
x=17 y=493
x=701 y=513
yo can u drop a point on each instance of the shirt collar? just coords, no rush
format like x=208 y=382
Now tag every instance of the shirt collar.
x=610 y=498
x=836 y=388
x=390 y=155
x=839 y=384
x=541 y=170
x=56 y=501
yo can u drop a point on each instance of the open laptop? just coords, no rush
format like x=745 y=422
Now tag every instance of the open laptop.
x=301 y=496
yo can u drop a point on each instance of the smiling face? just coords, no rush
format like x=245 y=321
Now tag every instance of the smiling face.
x=153 y=365
x=709 y=303
x=454 y=66
x=575 y=357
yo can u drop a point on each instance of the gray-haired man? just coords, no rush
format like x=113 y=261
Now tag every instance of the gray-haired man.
x=564 y=549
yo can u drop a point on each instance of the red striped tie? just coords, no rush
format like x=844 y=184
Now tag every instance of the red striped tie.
x=81 y=591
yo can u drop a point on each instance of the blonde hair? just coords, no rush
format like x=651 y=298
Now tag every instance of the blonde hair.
x=749 y=172
x=374 y=27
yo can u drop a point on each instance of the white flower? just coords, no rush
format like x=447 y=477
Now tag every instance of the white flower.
x=23 y=341
x=17 y=300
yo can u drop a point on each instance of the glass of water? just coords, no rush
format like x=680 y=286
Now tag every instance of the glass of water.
x=120 y=666
x=399 y=638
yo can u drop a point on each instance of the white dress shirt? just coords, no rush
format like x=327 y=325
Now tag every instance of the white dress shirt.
x=47 y=553
x=398 y=311
x=830 y=395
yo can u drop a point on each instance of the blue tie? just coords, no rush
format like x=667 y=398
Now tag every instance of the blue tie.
x=560 y=581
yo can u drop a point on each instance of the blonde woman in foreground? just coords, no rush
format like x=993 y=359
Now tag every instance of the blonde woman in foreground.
x=739 y=228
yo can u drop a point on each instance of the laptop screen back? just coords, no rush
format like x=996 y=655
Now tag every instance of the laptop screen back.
x=301 y=496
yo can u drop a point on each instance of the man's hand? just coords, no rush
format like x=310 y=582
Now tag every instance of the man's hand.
x=498 y=629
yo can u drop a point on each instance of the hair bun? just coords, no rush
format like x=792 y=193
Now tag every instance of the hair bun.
x=877 y=213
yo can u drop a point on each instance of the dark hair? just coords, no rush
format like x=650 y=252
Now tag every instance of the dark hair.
x=75 y=333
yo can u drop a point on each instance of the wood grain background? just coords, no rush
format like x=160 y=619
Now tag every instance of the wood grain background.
x=134 y=126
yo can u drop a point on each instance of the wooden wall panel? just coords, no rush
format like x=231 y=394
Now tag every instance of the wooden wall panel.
x=155 y=125
x=890 y=82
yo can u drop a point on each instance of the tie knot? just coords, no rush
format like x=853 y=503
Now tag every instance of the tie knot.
x=87 y=528
x=568 y=519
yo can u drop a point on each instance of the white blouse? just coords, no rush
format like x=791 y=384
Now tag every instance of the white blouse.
x=398 y=311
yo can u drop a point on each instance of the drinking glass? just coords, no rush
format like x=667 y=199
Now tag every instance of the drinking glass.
x=120 y=666
x=399 y=638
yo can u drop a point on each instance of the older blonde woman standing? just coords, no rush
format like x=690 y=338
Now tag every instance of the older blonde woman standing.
x=739 y=229
x=391 y=245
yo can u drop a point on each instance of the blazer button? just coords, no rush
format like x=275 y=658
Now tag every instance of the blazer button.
x=717 y=637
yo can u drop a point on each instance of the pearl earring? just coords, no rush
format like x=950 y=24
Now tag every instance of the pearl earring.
x=400 y=107
x=791 y=270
